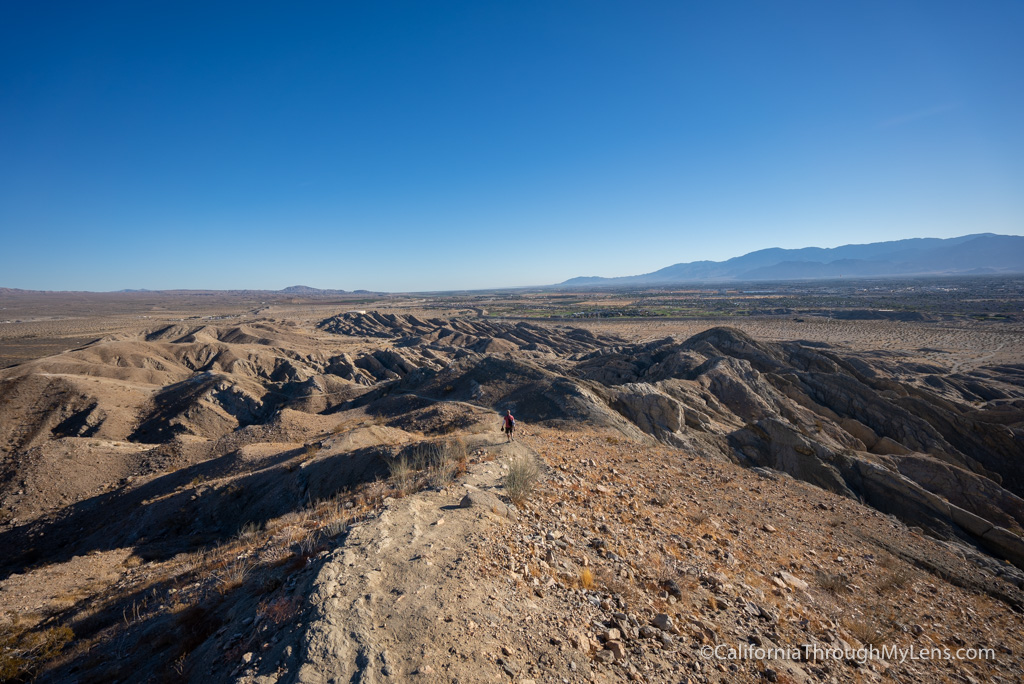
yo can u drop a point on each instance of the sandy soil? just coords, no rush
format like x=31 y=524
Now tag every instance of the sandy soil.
x=960 y=346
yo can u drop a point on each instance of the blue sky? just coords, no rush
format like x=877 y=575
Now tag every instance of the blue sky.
x=407 y=146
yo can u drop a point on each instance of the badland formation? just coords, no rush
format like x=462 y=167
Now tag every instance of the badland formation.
x=312 y=486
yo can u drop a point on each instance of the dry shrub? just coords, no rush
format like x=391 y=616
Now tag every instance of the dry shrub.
x=248 y=533
x=23 y=652
x=608 y=581
x=699 y=517
x=279 y=610
x=663 y=498
x=894 y=577
x=832 y=582
x=132 y=561
x=293 y=533
x=658 y=568
x=586 y=579
x=866 y=631
x=521 y=480
x=371 y=495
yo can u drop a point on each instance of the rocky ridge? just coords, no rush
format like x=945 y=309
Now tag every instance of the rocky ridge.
x=639 y=563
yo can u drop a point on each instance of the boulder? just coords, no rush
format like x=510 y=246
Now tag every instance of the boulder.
x=663 y=622
x=793 y=581
x=476 y=498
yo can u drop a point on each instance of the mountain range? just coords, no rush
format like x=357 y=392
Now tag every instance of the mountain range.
x=979 y=254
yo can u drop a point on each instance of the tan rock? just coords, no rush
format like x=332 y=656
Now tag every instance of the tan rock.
x=617 y=649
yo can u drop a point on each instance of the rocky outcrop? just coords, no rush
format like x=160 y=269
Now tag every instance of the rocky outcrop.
x=478 y=498
x=651 y=410
x=741 y=388
x=965 y=489
x=772 y=444
x=893 y=493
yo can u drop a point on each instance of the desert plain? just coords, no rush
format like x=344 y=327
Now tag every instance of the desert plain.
x=778 y=482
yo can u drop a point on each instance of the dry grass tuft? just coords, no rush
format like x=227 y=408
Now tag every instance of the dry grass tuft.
x=233 y=576
x=402 y=475
x=586 y=579
x=444 y=462
x=248 y=533
x=521 y=480
x=433 y=464
x=132 y=561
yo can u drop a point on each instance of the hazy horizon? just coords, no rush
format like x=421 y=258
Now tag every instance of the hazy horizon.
x=709 y=282
x=412 y=148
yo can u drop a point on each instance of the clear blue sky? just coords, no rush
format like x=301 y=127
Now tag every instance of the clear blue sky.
x=435 y=145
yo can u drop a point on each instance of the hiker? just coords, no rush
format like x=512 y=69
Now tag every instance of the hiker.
x=509 y=425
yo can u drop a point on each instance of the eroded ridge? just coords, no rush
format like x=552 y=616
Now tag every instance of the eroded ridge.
x=289 y=474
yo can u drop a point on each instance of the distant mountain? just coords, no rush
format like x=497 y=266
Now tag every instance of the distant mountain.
x=983 y=253
x=295 y=290
x=306 y=290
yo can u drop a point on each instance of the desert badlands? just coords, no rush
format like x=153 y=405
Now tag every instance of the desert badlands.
x=311 y=490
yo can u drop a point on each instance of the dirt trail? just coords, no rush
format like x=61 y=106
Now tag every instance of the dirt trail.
x=404 y=593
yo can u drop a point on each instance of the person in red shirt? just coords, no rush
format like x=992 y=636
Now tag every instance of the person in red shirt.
x=509 y=426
